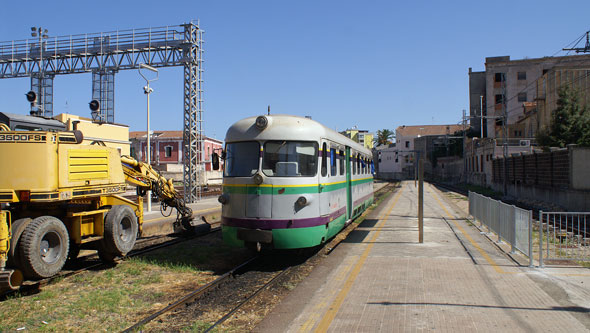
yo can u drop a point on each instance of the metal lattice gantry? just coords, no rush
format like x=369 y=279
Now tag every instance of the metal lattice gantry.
x=106 y=53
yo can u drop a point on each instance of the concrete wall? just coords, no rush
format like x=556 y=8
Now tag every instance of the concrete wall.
x=209 y=177
x=580 y=168
x=477 y=88
x=570 y=200
x=560 y=177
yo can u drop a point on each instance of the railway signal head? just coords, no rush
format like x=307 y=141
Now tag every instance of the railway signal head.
x=94 y=105
x=31 y=97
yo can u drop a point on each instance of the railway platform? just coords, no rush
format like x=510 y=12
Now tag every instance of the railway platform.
x=157 y=224
x=382 y=279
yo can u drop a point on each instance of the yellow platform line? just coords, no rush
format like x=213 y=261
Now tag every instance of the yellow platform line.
x=481 y=251
x=337 y=303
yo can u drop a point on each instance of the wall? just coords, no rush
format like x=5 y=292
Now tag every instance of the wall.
x=477 y=88
x=560 y=177
x=580 y=171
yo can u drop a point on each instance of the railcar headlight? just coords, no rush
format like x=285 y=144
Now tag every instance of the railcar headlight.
x=257 y=179
x=303 y=201
x=223 y=199
x=261 y=122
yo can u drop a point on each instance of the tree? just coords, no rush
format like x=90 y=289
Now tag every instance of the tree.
x=570 y=122
x=384 y=137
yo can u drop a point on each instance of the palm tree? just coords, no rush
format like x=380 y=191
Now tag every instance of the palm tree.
x=384 y=137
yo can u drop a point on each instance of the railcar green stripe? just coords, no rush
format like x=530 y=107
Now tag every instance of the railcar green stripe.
x=290 y=189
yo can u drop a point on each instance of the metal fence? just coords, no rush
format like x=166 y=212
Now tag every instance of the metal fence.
x=510 y=223
x=564 y=236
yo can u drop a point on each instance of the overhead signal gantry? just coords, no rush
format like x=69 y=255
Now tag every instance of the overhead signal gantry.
x=104 y=54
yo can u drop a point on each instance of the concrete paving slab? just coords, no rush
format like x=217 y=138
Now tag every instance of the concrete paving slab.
x=382 y=279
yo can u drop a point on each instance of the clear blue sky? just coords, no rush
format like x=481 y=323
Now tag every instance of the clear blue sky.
x=374 y=64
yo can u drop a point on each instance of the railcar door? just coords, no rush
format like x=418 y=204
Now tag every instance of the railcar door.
x=348 y=185
x=324 y=179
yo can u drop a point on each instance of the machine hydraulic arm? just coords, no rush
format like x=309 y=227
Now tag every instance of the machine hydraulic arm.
x=146 y=178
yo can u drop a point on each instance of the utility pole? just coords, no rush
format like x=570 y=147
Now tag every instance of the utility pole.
x=421 y=201
x=464 y=155
x=505 y=134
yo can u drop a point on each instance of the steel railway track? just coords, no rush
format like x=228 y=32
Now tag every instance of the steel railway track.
x=89 y=262
x=233 y=280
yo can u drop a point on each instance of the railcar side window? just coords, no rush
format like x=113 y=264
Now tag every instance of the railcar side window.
x=333 y=159
x=324 y=162
x=353 y=165
x=241 y=159
x=290 y=159
x=363 y=165
x=342 y=160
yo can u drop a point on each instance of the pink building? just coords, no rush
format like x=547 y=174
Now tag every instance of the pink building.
x=166 y=149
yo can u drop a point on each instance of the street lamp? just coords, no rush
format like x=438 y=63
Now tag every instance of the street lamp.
x=147 y=90
x=41 y=33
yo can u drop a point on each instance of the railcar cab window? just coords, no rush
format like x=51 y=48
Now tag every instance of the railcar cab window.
x=290 y=159
x=242 y=159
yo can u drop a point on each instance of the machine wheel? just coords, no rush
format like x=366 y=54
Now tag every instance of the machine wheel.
x=18 y=227
x=120 y=233
x=43 y=247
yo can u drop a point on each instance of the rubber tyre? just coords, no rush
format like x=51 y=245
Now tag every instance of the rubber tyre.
x=17 y=227
x=120 y=233
x=43 y=247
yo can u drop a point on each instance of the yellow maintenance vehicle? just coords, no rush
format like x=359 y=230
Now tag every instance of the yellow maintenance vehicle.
x=58 y=196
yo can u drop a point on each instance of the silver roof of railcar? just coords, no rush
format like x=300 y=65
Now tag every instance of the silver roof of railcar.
x=287 y=127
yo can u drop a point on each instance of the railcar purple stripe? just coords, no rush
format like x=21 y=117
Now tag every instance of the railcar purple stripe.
x=363 y=199
x=267 y=224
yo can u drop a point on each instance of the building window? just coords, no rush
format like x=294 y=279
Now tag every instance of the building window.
x=499 y=77
x=407 y=144
x=522 y=97
x=168 y=151
x=521 y=76
x=499 y=99
x=481 y=163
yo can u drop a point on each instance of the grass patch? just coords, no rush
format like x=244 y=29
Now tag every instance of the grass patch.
x=113 y=299
x=480 y=189
x=200 y=326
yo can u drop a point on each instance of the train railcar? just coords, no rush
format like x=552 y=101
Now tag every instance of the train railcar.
x=290 y=182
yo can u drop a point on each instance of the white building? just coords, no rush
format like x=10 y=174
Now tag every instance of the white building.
x=398 y=161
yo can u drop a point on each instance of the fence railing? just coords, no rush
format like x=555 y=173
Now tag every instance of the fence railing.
x=510 y=223
x=564 y=236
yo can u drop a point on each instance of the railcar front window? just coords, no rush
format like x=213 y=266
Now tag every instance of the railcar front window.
x=290 y=159
x=241 y=159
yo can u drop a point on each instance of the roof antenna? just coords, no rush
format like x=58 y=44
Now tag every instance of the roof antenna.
x=268 y=112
